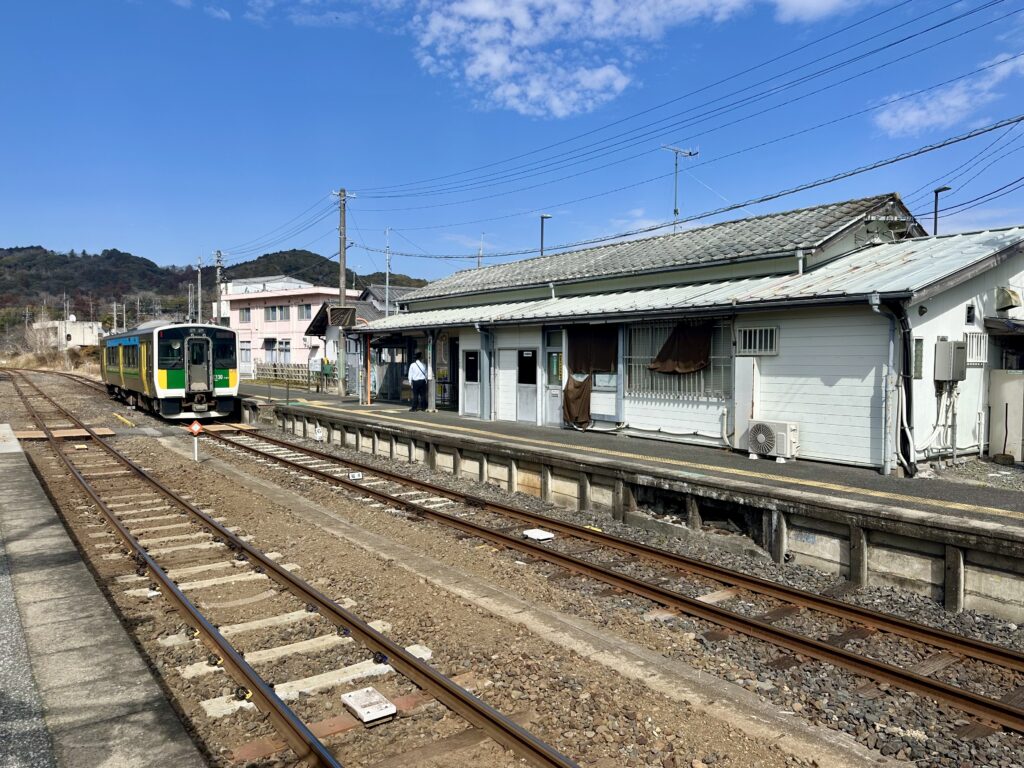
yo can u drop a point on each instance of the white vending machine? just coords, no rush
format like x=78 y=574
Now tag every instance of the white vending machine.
x=1006 y=423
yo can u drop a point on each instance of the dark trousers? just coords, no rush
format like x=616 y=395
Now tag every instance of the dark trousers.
x=419 y=395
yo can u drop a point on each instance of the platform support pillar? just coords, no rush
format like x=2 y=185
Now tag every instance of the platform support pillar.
x=358 y=439
x=585 y=503
x=777 y=536
x=545 y=484
x=513 y=476
x=623 y=500
x=374 y=443
x=953 y=592
x=484 y=474
x=858 y=556
x=431 y=456
x=693 y=521
x=457 y=462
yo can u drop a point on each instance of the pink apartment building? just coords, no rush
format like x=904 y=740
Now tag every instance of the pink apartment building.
x=271 y=315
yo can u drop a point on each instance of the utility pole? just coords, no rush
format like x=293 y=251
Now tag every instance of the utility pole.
x=543 y=217
x=219 y=261
x=199 y=289
x=114 y=328
x=675 y=197
x=387 y=271
x=342 y=248
x=480 y=252
x=138 y=311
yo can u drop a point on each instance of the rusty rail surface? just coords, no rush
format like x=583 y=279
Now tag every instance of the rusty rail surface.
x=1000 y=712
x=497 y=726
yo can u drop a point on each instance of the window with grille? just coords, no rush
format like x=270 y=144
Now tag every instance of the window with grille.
x=646 y=340
x=305 y=311
x=757 y=341
x=977 y=348
x=245 y=315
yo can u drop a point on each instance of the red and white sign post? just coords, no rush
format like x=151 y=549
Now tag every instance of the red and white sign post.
x=196 y=429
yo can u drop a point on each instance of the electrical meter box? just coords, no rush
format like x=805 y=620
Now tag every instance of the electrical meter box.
x=950 y=360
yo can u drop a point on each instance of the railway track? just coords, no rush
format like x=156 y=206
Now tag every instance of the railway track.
x=595 y=554
x=158 y=525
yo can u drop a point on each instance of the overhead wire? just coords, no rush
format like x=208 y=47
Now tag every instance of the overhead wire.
x=928 y=148
x=578 y=156
x=578 y=174
x=654 y=108
x=719 y=158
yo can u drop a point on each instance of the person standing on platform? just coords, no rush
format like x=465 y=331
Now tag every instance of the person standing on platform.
x=418 y=380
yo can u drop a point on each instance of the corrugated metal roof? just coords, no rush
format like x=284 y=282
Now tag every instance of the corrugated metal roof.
x=757 y=236
x=902 y=268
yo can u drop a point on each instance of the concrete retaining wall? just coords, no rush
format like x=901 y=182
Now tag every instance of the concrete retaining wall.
x=950 y=559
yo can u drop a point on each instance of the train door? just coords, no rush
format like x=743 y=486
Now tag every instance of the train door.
x=200 y=372
x=144 y=367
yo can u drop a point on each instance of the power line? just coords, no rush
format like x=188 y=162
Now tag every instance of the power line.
x=755 y=201
x=925 y=188
x=275 y=229
x=690 y=138
x=654 y=108
x=735 y=153
x=577 y=156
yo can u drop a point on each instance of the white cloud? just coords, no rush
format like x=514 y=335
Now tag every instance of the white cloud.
x=562 y=57
x=216 y=12
x=545 y=58
x=948 y=106
x=813 y=10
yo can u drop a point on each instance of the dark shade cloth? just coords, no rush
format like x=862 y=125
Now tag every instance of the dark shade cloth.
x=593 y=348
x=576 y=401
x=686 y=350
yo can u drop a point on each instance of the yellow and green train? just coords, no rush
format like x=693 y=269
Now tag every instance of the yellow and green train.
x=181 y=371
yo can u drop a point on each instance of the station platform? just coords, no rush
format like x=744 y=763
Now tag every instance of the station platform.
x=74 y=691
x=979 y=502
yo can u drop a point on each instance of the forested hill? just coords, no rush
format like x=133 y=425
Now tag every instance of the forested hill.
x=312 y=267
x=32 y=274
x=29 y=274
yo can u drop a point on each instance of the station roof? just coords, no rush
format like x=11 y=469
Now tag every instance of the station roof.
x=910 y=270
x=756 y=237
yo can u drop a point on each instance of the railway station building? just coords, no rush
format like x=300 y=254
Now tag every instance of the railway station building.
x=839 y=333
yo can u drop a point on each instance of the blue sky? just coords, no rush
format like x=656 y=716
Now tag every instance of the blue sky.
x=170 y=128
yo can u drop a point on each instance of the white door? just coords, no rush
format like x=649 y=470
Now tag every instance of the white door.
x=507 y=386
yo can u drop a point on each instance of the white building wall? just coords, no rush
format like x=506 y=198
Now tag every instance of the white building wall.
x=946 y=315
x=828 y=377
x=697 y=418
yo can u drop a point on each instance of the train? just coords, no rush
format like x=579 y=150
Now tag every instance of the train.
x=177 y=371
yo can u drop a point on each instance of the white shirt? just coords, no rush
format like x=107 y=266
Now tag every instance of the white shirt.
x=418 y=371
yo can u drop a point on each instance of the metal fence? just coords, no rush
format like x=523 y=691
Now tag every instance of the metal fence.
x=643 y=342
x=295 y=373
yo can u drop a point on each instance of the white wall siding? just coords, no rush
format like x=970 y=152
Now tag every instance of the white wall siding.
x=946 y=315
x=695 y=418
x=828 y=377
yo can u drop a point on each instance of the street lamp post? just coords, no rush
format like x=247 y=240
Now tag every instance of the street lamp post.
x=935 y=211
x=543 y=217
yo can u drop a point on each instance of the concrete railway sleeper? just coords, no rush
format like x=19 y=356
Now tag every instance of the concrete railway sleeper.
x=304 y=743
x=427 y=505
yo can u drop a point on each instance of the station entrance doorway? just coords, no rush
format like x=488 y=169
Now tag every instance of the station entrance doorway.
x=517 y=385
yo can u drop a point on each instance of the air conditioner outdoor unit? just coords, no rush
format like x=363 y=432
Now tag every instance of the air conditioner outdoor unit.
x=780 y=439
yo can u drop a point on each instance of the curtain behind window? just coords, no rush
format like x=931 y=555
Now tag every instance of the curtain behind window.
x=593 y=348
x=686 y=350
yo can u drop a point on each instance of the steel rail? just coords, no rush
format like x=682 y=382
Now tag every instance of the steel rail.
x=301 y=740
x=983 y=707
x=966 y=646
x=478 y=713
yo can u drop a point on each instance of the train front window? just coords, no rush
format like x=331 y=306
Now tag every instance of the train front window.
x=224 y=355
x=172 y=354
